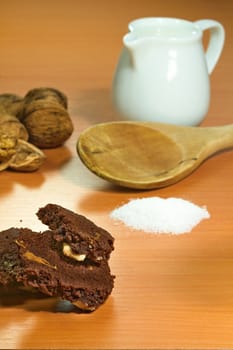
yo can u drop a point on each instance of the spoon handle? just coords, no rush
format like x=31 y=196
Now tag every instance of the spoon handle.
x=204 y=141
x=219 y=137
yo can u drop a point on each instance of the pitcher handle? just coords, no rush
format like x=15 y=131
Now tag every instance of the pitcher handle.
x=216 y=41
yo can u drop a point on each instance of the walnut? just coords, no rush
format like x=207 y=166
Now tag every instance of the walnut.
x=7 y=150
x=39 y=120
x=45 y=117
x=27 y=157
x=11 y=126
x=11 y=103
x=44 y=93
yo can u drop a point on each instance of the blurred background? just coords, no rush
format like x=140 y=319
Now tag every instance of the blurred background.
x=56 y=38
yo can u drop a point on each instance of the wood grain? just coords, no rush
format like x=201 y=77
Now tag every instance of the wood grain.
x=116 y=151
x=171 y=291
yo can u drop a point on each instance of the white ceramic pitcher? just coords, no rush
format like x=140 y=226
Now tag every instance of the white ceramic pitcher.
x=163 y=71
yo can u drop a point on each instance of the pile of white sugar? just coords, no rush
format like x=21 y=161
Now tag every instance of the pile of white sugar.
x=159 y=215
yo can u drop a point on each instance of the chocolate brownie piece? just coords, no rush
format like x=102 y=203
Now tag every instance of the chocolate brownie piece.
x=35 y=260
x=80 y=237
x=9 y=258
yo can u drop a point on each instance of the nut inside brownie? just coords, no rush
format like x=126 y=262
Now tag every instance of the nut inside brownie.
x=10 y=264
x=32 y=259
x=81 y=238
x=70 y=260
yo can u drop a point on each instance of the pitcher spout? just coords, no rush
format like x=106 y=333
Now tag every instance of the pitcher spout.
x=130 y=41
x=133 y=44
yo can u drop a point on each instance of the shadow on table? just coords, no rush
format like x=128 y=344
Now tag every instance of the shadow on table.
x=55 y=159
x=32 y=300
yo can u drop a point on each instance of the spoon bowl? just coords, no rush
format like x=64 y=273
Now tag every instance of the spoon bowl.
x=149 y=155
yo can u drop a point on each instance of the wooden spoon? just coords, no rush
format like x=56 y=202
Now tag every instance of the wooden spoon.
x=149 y=155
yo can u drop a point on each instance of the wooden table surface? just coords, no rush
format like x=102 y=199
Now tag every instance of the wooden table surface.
x=170 y=291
